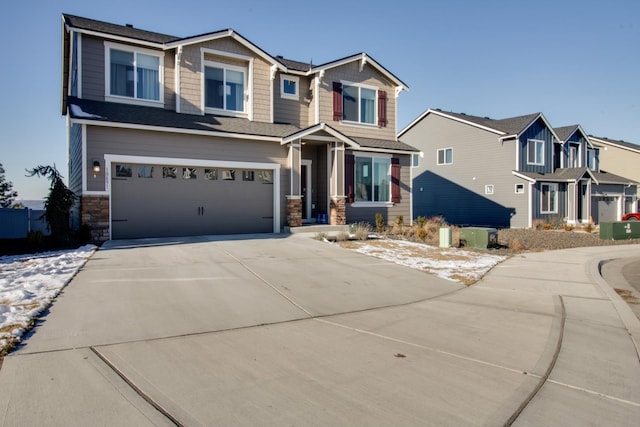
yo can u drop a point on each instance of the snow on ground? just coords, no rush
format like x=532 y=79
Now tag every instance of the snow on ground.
x=466 y=267
x=28 y=283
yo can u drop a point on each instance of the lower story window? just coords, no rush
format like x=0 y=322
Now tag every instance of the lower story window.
x=372 y=179
x=549 y=198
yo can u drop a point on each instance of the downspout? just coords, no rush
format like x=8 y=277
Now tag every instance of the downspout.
x=177 y=78
x=274 y=69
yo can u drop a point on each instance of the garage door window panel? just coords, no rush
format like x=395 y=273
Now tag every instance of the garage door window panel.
x=189 y=173
x=169 y=172
x=248 y=175
x=211 y=174
x=123 y=171
x=145 y=171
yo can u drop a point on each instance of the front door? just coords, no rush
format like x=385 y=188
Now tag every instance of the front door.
x=305 y=189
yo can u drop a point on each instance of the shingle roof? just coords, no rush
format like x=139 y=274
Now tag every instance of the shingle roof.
x=117 y=30
x=294 y=65
x=510 y=125
x=616 y=142
x=565 y=132
x=384 y=144
x=110 y=112
x=604 y=177
x=560 y=175
x=151 y=116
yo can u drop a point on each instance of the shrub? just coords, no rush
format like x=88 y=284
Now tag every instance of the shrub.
x=342 y=236
x=421 y=221
x=35 y=238
x=380 y=223
x=538 y=224
x=320 y=236
x=568 y=227
x=516 y=245
x=363 y=230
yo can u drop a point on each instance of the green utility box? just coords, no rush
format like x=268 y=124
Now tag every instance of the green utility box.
x=478 y=237
x=620 y=230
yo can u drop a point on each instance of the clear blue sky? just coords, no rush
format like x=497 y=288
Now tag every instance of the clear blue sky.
x=577 y=61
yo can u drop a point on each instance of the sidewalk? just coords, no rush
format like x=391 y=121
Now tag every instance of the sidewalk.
x=541 y=340
x=593 y=375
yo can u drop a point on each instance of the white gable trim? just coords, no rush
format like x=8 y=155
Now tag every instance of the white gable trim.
x=317 y=128
x=613 y=144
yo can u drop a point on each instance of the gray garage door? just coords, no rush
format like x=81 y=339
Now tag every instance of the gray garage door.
x=164 y=201
x=604 y=209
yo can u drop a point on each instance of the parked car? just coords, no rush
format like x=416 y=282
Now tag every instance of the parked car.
x=635 y=216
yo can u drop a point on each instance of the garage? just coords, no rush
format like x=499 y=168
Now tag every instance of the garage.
x=604 y=209
x=160 y=200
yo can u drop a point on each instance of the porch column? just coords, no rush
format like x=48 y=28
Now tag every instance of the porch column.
x=337 y=204
x=294 y=198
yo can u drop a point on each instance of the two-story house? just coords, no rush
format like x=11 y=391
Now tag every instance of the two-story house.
x=210 y=134
x=505 y=173
x=621 y=158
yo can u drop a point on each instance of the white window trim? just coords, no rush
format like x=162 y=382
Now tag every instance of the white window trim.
x=555 y=187
x=445 y=156
x=245 y=98
x=519 y=186
x=367 y=204
x=107 y=75
x=375 y=104
x=529 y=162
x=489 y=189
x=295 y=79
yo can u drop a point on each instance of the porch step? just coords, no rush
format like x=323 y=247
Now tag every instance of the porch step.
x=318 y=228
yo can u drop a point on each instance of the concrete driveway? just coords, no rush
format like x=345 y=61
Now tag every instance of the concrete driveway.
x=269 y=330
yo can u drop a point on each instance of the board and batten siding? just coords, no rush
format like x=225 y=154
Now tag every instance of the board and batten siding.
x=390 y=213
x=562 y=203
x=456 y=191
x=103 y=140
x=75 y=171
x=191 y=79
x=369 y=76
x=539 y=131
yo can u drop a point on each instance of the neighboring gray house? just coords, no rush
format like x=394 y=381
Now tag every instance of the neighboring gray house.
x=212 y=135
x=505 y=173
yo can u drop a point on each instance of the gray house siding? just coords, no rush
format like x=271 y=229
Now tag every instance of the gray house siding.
x=457 y=191
x=390 y=213
x=102 y=140
x=75 y=171
x=539 y=131
x=92 y=68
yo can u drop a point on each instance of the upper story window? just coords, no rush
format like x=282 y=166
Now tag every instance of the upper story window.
x=592 y=159
x=445 y=156
x=224 y=87
x=133 y=74
x=574 y=160
x=289 y=87
x=359 y=104
x=535 y=152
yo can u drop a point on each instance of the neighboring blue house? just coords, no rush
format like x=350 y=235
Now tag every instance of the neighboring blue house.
x=507 y=172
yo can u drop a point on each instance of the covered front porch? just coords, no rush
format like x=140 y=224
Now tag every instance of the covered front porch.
x=316 y=162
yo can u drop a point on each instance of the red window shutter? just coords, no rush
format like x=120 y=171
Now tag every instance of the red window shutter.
x=349 y=166
x=382 y=108
x=395 y=180
x=337 y=101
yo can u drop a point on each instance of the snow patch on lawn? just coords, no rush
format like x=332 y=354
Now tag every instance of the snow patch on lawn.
x=28 y=284
x=458 y=265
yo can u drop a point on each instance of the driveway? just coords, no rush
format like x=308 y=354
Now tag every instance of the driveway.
x=268 y=330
